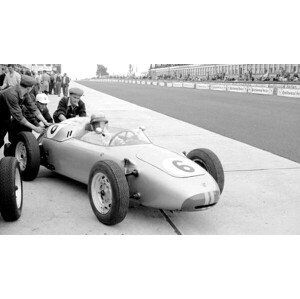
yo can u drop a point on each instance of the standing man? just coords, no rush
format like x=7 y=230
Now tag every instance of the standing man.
x=12 y=78
x=51 y=84
x=65 y=84
x=58 y=84
x=11 y=101
x=71 y=106
x=45 y=82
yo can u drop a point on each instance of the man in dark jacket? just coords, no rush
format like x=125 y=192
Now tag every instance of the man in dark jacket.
x=11 y=101
x=71 y=106
x=41 y=103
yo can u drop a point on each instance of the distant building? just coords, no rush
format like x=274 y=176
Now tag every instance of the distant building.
x=42 y=67
x=204 y=71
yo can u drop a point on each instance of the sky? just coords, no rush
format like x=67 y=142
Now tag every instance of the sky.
x=87 y=70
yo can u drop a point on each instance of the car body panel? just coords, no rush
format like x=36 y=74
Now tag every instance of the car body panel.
x=166 y=180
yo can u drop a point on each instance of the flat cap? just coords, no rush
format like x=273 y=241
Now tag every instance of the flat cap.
x=77 y=91
x=27 y=81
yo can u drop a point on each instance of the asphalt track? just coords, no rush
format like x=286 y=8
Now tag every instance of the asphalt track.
x=267 y=122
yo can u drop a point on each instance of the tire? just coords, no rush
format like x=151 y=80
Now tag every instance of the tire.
x=210 y=162
x=11 y=189
x=27 y=152
x=115 y=191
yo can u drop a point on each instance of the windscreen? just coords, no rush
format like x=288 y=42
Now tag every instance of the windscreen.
x=116 y=137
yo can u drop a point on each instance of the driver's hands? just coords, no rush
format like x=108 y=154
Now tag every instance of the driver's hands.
x=39 y=130
x=47 y=124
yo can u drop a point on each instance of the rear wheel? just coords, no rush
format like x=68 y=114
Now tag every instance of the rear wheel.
x=210 y=162
x=27 y=152
x=108 y=192
x=11 y=189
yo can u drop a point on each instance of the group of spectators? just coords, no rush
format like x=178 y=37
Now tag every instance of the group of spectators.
x=48 y=82
x=24 y=99
x=248 y=76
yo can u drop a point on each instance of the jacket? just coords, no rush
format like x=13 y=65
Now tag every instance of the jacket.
x=64 y=107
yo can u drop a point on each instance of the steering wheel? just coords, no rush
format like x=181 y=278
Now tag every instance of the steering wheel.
x=124 y=138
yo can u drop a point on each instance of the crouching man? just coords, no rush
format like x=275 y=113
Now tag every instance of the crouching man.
x=71 y=106
x=11 y=102
x=41 y=103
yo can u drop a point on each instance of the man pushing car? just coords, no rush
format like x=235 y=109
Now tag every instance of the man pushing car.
x=11 y=101
x=71 y=106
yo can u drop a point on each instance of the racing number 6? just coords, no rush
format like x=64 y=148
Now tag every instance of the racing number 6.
x=183 y=167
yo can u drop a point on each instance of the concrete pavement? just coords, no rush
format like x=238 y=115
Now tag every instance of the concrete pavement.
x=261 y=194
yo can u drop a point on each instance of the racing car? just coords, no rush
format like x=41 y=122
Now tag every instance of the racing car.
x=11 y=189
x=121 y=167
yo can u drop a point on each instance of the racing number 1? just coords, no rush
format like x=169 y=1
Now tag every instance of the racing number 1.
x=183 y=167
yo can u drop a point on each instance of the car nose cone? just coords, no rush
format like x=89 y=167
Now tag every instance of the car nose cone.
x=201 y=201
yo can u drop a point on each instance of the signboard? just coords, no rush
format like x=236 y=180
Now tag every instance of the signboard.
x=202 y=86
x=222 y=87
x=148 y=82
x=288 y=92
x=154 y=82
x=260 y=90
x=237 y=88
x=169 y=84
x=290 y=86
x=161 y=83
x=177 y=84
x=188 y=85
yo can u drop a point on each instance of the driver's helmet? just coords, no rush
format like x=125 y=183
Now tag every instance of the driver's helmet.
x=99 y=120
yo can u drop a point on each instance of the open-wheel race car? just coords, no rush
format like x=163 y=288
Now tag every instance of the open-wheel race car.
x=11 y=189
x=122 y=166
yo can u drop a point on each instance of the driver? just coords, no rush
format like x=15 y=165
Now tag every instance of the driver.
x=99 y=134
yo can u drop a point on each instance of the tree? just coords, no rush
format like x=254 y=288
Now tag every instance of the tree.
x=101 y=70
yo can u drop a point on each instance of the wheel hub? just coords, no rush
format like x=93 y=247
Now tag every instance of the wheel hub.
x=101 y=193
x=21 y=155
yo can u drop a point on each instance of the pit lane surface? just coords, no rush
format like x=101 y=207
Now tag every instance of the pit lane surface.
x=268 y=122
x=261 y=194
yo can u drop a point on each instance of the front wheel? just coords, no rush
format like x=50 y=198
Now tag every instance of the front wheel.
x=210 y=162
x=108 y=192
x=11 y=189
x=27 y=152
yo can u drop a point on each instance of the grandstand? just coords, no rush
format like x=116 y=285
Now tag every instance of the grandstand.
x=264 y=72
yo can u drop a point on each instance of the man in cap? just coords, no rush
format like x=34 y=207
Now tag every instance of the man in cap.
x=98 y=128
x=71 y=106
x=11 y=101
x=41 y=102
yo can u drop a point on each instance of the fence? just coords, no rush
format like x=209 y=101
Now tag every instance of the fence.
x=285 y=90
